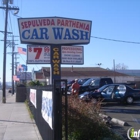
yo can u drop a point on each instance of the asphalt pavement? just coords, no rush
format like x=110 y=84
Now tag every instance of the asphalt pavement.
x=130 y=114
x=15 y=122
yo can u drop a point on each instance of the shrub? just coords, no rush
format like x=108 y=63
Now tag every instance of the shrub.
x=35 y=83
x=84 y=122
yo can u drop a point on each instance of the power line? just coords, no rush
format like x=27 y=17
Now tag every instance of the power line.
x=25 y=62
x=115 y=40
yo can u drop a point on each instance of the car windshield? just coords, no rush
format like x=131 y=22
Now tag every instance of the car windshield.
x=82 y=81
x=88 y=82
x=70 y=82
x=95 y=82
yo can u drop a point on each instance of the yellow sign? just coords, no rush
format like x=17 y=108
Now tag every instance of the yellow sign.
x=56 y=61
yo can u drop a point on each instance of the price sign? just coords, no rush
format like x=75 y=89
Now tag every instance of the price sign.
x=38 y=54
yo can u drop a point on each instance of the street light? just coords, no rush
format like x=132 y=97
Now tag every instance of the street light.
x=99 y=64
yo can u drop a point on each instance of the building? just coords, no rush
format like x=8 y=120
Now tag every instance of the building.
x=71 y=73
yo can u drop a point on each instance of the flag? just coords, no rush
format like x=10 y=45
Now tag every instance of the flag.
x=24 y=67
x=16 y=77
x=22 y=50
x=19 y=68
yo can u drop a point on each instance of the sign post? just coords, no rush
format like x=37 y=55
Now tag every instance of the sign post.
x=54 y=35
x=55 y=62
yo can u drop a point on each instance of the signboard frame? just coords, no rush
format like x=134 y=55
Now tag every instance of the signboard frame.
x=38 y=46
x=81 y=27
x=74 y=47
x=71 y=48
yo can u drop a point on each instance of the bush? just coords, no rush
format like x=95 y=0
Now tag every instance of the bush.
x=84 y=122
x=35 y=83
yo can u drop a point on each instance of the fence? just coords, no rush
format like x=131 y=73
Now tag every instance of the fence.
x=45 y=131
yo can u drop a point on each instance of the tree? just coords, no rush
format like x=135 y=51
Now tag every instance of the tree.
x=121 y=66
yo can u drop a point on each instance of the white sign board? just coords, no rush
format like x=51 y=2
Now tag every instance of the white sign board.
x=54 y=30
x=47 y=107
x=38 y=54
x=72 y=55
x=33 y=97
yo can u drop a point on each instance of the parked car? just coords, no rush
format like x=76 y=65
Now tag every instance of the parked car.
x=69 y=83
x=82 y=81
x=94 y=83
x=10 y=90
x=113 y=93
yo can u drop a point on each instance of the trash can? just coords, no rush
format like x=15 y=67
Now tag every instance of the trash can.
x=20 y=93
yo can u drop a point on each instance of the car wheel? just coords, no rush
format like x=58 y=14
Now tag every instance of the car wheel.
x=129 y=100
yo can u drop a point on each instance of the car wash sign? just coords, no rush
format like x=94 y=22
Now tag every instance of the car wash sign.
x=54 y=30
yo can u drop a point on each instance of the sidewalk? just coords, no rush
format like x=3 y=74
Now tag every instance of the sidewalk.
x=15 y=122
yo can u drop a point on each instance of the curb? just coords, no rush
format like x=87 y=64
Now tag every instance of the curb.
x=113 y=120
x=119 y=122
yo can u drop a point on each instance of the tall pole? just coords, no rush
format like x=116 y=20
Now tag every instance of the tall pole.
x=114 y=70
x=4 y=56
x=13 y=49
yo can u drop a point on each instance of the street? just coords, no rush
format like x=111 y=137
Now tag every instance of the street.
x=127 y=113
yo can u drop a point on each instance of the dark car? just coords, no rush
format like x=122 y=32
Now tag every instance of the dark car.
x=82 y=81
x=94 y=83
x=114 y=92
x=69 y=83
x=10 y=90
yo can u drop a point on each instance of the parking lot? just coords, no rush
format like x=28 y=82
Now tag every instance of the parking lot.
x=127 y=113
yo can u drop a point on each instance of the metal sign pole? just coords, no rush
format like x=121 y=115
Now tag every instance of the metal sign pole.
x=57 y=97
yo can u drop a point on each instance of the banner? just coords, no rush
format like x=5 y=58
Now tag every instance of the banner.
x=33 y=97
x=47 y=107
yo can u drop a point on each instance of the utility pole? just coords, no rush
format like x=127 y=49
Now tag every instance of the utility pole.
x=16 y=69
x=13 y=49
x=4 y=52
x=13 y=54
x=4 y=56
x=114 y=70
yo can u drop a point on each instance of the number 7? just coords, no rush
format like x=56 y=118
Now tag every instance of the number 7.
x=38 y=50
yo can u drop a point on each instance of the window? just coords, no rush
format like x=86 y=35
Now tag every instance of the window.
x=109 y=90
x=95 y=82
x=121 y=89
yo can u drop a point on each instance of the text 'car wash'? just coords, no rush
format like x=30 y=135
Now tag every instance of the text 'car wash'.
x=55 y=29
x=56 y=61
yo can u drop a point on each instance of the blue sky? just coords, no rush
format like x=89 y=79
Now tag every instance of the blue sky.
x=111 y=19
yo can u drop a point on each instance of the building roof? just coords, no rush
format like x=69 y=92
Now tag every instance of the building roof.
x=79 y=71
x=130 y=72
